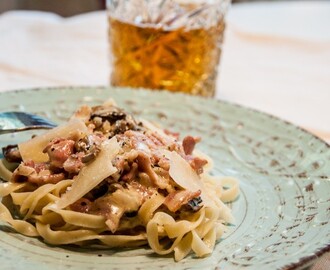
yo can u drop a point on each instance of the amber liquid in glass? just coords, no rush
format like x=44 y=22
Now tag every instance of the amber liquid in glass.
x=176 y=60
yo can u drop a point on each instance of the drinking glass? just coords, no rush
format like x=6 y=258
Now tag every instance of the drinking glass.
x=173 y=45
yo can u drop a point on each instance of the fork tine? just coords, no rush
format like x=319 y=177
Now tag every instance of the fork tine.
x=33 y=119
x=20 y=121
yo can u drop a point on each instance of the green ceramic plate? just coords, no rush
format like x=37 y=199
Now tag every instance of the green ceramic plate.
x=282 y=214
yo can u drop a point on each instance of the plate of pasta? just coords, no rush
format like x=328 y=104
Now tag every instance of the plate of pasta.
x=140 y=179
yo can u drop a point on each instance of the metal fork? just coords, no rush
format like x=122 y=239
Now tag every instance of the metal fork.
x=21 y=121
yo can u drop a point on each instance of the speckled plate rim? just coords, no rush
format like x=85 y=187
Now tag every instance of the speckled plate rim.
x=77 y=87
x=303 y=262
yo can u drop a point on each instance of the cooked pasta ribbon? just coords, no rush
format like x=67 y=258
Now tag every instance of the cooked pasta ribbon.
x=106 y=179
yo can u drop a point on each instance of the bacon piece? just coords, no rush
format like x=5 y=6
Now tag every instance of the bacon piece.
x=197 y=164
x=36 y=173
x=59 y=151
x=189 y=143
x=37 y=166
x=50 y=178
x=175 y=200
x=74 y=163
x=83 y=205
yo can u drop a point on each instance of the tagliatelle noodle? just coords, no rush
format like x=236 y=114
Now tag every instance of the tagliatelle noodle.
x=45 y=210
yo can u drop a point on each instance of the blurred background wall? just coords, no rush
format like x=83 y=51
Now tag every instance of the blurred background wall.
x=65 y=8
